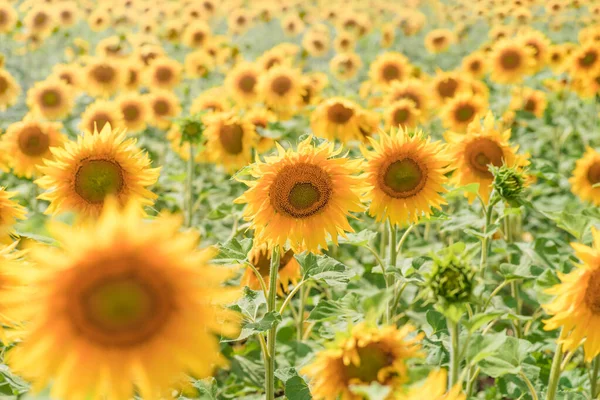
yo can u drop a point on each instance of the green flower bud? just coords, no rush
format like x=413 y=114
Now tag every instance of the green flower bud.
x=451 y=279
x=191 y=128
x=509 y=183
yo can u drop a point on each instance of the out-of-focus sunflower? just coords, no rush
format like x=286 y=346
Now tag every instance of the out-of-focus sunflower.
x=10 y=212
x=339 y=118
x=576 y=307
x=557 y=57
x=8 y=17
x=135 y=111
x=99 y=20
x=229 y=140
x=316 y=43
x=439 y=40
x=475 y=65
x=239 y=20
x=164 y=73
x=132 y=70
x=312 y=85
x=9 y=90
x=100 y=113
x=302 y=196
x=345 y=65
x=405 y=176
x=83 y=173
x=198 y=64
x=112 y=47
x=585 y=61
x=461 y=110
x=292 y=25
x=389 y=67
x=68 y=13
x=344 y=42
x=69 y=74
x=510 y=61
x=446 y=85
x=165 y=106
x=411 y=89
x=539 y=44
x=122 y=299
x=363 y=356
x=103 y=77
x=39 y=21
x=472 y=154
x=260 y=118
x=51 y=99
x=401 y=113
x=27 y=143
x=281 y=89
x=388 y=35
x=530 y=100
x=260 y=257
x=242 y=84
x=586 y=176
x=434 y=388
x=196 y=34
x=273 y=58
x=212 y=100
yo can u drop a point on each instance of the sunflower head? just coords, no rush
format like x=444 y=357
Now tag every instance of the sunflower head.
x=586 y=177
x=388 y=68
x=509 y=183
x=511 y=61
x=461 y=110
x=439 y=40
x=452 y=278
x=402 y=113
x=52 y=99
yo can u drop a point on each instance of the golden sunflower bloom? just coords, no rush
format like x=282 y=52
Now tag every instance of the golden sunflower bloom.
x=345 y=65
x=585 y=61
x=316 y=43
x=9 y=90
x=198 y=64
x=229 y=140
x=260 y=257
x=27 y=144
x=213 y=100
x=39 y=21
x=510 y=61
x=461 y=110
x=576 y=307
x=100 y=113
x=260 y=118
x=388 y=35
x=368 y=355
x=411 y=89
x=10 y=212
x=539 y=44
x=132 y=69
x=401 y=113
x=242 y=84
x=122 y=306
x=8 y=18
x=434 y=388
x=97 y=165
x=51 y=99
x=472 y=154
x=389 y=67
x=303 y=196
x=163 y=73
x=281 y=90
x=527 y=99
x=165 y=106
x=135 y=111
x=405 y=176
x=475 y=65
x=446 y=85
x=339 y=118
x=344 y=42
x=196 y=35
x=103 y=77
x=69 y=74
x=439 y=40
x=585 y=176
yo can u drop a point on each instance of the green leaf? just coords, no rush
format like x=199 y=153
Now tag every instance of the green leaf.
x=374 y=391
x=297 y=389
x=268 y=321
x=508 y=358
x=483 y=346
x=478 y=320
x=233 y=252
x=522 y=271
x=323 y=268
x=328 y=310
x=362 y=238
x=436 y=320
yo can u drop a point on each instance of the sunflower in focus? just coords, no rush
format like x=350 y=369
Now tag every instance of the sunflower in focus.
x=365 y=355
x=135 y=111
x=473 y=152
x=389 y=67
x=302 y=196
x=126 y=301
x=99 y=164
x=164 y=73
x=576 y=307
x=10 y=212
x=287 y=274
x=475 y=65
x=510 y=62
x=51 y=99
x=586 y=176
x=439 y=40
x=530 y=100
x=345 y=65
x=27 y=143
x=405 y=176
x=100 y=113
x=401 y=113
x=281 y=90
x=9 y=90
x=103 y=77
x=165 y=106
x=211 y=100
x=434 y=388
x=242 y=83
x=461 y=110
x=8 y=18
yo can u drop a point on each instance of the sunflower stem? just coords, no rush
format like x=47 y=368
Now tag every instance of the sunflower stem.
x=271 y=305
x=454 y=329
x=555 y=373
x=484 y=242
x=594 y=377
x=188 y=188
x=300 y=323
x=389 y=277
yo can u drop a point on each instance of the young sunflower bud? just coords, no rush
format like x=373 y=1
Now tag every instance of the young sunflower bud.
x=451 y=279
x=509 y=183
x=191 y=129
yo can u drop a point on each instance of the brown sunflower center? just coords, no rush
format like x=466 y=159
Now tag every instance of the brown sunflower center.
x=121 y=309
x=3 y=17
x=247 y=83
x=402 y=178
x=231 y=138
x=161 y=107
x=530 y=105
x=339 y=113
x=401 y=115
x=65 y=15
x=439 y=40
x=372 y=359
x=592 y=293
x=588 y=58
x=40 y=19
x=281 y=85
x=447 y=88
x=50 y=98
x=96 y=179
x=103 y=73
x=33 y=142
x=131 y=112
x=593 y=174
x=99 y=120
x=3 y=84
x=164 y=74
x=390 y=72
x=66 y=77
x=510 y=59
x=535 y=47
x=483 y=152
x=465 y=112
x=300 y=190
x=475 y=66
x=318 y=45
x=198 y=37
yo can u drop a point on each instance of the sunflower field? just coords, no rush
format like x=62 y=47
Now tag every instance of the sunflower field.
x=300 y=199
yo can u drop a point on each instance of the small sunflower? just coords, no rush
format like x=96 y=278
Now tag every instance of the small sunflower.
x=411 y=89
x=164 y=73
x=8 y=18
x=585 y=61
x=165 y=106
x=68 y=13
x=292 y=25
x=287 y=274
x=539 y=44
x=272 y=58
x=510 y=61
x=260 y=118
x=99 y=164
x=212 y=100
x=51 y=99
x=576 y=307
x=281 y=90
x=336 y=118
x=197 y=34
x=439 y=40
x=434 y=388
x=365 y=355
x=586 y=176
x=473 y=153
x=69 y=74
x=27 y=143
x=530 y=100
x=127 y=301
x=229 y=140
x=475 y=65
x=388 y=35
x=401 y=113
x=389 y=67
x=99 y=20
x=461 y=110
x=198 y=64
x=302 y=196
x=242 y=83
x=103 y=77
x=446 y=85
x=10 y=212
x=316 y=43
x=100 y=113
x=9 y=90
x=39 y=21
x=345 y=65
x=238 y=21
x=132 y=70
x=557 y=58
x=344 y=42
x=405 y=176
x=135 y=111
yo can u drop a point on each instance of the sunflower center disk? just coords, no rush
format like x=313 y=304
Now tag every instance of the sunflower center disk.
x=390 y=72
x=301 y=190
x=372 y=360
x=465 y=113
x=161 y=107
x=403 y=178
x=592 y=293
x=103 y=73
x=99 y=120
x=530 y=106
x=593 y=173
x=589 y=58
x=339 y=114
x=231 y=137
x=164 y=74
x=401 y=116
x=50 y=98
x=281 y=85
x=447 y=88
x=247 y=83
x=481 y=154
x=510 y=60
x=33 y=142
x=130 y=112
x=96 y=179
x=3 y=84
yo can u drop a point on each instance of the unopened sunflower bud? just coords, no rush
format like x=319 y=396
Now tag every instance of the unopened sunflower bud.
x=451 y=279
x=191 y=129
x=509 y=183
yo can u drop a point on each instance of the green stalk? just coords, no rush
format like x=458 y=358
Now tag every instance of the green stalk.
x=594 y=377
x=393 y=254
x=454 y=329
x=484 y=242
x=189 y=188
x=300 y=323
x=555 y=373
x=271 y=304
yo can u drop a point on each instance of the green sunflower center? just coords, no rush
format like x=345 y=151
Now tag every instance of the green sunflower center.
x=231 y=138
x=481 y=153
x=281 y=85
x=303 y=195
x=247 y=83
x=96 y=179
x=401 y=116
x=403 y=178
x=592 y=293
x=465 y=112
x=50 y=98
x=510 y=59
x=589 y=58
x=339 y=114
x=372 y=359
x=33 y=142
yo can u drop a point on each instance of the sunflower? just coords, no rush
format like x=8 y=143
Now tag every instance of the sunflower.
x=164 y=73
x=446 y=85
x=475 y=65
x=103 y=77
x=281 y=89
x=229 y=140
x=27 y=143
x=405 y=176
x=242 y=83
x=99 y=164
x=292 y=25
x=557 y=57
x=344 y=42
x=302 y=196
x=9 y=90
x=260 y=257
x=388 y=35
x=472 y=154
x=100 y=113
x=339 y=118
x=411 y=89
x=586 y=176
x=8 y=18
x=260 y=118
x=68 y=13
x=345 y=65
x=585 y=61
x=312 y=84
x=363 y=356
x=112 y=47
x=10 y=212
x=510 y=61
x=389 y=67
x=198 y=64
x=69 y=74
x=238 y=21
x=212 y=100
x=165 y=106
x=439 y=40
x=434 y=388
x=316 y=43
x=539 y=45
x=530 y=100
x=461 y=110
x=125 y=301
x=401 y=113
x=39 y=21
x=13 y=288
x=51 y=99
x=132 y=70
x=273 y=58
x=135 y=111
x=99 y=20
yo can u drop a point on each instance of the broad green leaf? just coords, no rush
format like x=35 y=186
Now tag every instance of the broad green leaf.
x=297 y=389
x=323 y=268
x=233 y=252
x=362 y=238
